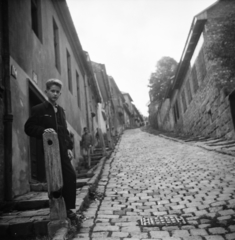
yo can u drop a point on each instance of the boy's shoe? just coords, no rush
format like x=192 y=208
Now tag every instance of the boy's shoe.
x=71 y=215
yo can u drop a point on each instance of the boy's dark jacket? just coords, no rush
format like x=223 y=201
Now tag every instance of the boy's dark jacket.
x=43 y=117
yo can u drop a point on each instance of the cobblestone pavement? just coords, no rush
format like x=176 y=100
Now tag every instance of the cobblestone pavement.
x=151 y=176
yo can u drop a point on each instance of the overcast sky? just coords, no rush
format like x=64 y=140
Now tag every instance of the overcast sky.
x=130 y=36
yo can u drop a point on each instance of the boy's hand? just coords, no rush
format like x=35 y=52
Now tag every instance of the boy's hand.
x=49 y=130
x=70 y=154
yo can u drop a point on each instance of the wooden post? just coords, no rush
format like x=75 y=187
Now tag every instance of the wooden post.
x=102 y=142
x=54 y=176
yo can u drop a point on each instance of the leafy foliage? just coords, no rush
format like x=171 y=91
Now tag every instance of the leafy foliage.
x=161 y=79
x=221 y=49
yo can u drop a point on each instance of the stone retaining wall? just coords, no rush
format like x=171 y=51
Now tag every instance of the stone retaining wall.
x=203 y=104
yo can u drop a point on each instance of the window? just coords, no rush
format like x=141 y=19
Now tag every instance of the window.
x=36 y=18
x=78 y=90
x=69 y=71
x=183 y=100
x=56 y=45
x=194 y=78
x=189 y=94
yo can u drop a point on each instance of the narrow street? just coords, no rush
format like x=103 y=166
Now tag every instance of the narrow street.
x=150 y=176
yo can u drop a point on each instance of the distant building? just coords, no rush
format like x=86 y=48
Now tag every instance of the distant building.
x=132 y=116
x=94 y=99
x=139 y=120
x=118 y=101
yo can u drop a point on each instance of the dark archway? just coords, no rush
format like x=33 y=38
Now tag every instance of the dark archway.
x=232 y=106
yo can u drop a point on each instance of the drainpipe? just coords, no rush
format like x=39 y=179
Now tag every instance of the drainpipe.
x=86 y=99
x=8 y=116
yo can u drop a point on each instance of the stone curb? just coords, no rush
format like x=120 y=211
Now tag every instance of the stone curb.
x=170 y=138
x=198 y=144
x=83 y=195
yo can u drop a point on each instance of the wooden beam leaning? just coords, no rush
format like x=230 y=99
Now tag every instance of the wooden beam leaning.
x=54 y=176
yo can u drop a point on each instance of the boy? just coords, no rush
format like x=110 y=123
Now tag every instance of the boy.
x=50 y=117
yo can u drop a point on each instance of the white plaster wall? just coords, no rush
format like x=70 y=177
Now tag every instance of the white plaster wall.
x=101 y=121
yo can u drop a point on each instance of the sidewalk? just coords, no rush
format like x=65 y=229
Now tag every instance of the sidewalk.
x=220 y=145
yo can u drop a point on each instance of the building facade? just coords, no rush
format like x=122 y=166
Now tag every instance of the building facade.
x=38 y=41
x=139 y=120
x=3 y=101
x=43 y=45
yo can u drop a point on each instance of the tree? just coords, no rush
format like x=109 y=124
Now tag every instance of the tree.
x=162 y=78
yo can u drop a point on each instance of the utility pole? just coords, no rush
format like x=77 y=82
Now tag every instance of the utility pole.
x=86 y=102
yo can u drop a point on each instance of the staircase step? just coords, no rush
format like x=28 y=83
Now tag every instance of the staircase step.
x=29 y=201
x=96 y=157
x=100 y=149
x=93 y=163
x=38 y=187
x=97 y=154
x=82 y=182
x=85 y=175
x=24 y=223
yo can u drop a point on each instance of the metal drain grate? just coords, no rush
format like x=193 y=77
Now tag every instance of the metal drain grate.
x=161 y=221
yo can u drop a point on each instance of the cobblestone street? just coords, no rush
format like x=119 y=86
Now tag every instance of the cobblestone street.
x=149 y=176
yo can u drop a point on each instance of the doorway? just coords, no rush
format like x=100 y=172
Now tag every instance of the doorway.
x=37 y=161
x=232 y=106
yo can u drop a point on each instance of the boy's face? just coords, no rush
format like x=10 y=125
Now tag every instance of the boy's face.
x=53 y=93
